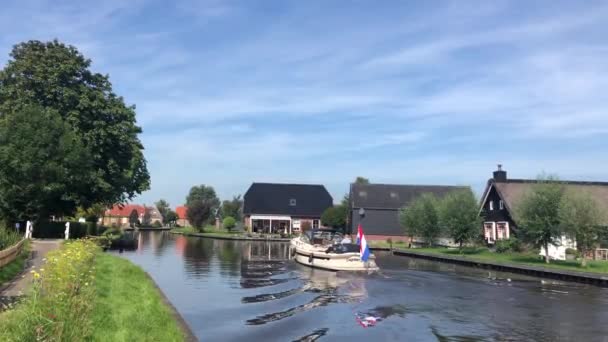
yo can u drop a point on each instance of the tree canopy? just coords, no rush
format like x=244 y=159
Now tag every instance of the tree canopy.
x=581 y=219
x=420 y=218
x=335 y=216
x=44 y=166
x=57 y=78
x=538 y=214
x=171 y=217
x=459 y=216
x=201 y=203
x=163 y=208
x=133 y=218
x=233 y=208
x=361 y=180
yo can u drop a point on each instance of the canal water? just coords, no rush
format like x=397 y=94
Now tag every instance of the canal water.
x=250 y=291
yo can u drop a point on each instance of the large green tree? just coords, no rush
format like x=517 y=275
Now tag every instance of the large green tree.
x=581 y=219
x=171 y=218
x=233 y=208
x=201 y=202
x=57 y=77
x=163 y=208
x=361 y=180
x=44 y=167
x=459 y=216
x=420 y=218
x=335 y=216
x=538 y=214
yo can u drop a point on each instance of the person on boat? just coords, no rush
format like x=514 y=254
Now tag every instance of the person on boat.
x=346 y=240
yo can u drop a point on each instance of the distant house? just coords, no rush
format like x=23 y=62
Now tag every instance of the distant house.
x=118 y=215
x=502 y=196
x=155 y=216
x=271 y=208
x=182 y=218
x=381 y=204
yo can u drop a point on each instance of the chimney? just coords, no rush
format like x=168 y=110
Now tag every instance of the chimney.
x=500 y=175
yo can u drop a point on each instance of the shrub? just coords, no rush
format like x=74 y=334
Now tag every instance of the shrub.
x=60 y=305
x=56 y=230
x=508 y=245
x=157 y=224
x=305 y=226
x=389 y=241
x=229 y=223
x=572 y=251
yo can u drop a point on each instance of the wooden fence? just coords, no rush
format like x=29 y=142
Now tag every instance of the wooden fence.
x=11 y=253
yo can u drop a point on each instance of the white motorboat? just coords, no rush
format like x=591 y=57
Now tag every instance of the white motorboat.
x=322 y=248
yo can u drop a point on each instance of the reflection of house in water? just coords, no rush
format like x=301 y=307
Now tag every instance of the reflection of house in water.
x=262 y=251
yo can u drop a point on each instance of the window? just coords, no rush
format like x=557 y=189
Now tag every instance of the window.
x=393 y=195
x=292 y=202
x=491 y=205
x=315 y=224
x=501 y=205
x=362 y=193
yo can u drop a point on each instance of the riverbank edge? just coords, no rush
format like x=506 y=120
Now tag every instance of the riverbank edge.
x=185 y=329
x=580 y=277
x=226 y=237
x=181 y=322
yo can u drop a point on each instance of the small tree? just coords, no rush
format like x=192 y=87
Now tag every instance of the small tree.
x=361 y=180
x=581 y=218
x=171 y=218
x=459 y=216
x=201 y=203
x=335 y=216
x=229 y=223
x=538 y=214
x=233 y=208
x=163 y=208
x=305 y=226
x=420 y=218
x=133 y=218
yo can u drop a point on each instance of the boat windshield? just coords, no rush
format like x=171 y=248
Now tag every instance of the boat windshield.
x=322 y=237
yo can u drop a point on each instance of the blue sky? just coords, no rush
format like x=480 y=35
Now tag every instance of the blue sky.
x=426 y=92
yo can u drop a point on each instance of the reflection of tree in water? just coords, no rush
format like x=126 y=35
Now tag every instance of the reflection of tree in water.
x=229 y=254
x=197 y=256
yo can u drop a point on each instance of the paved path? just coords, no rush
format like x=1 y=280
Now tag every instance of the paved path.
x=22 y=282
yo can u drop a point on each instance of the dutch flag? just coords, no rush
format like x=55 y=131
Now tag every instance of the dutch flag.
x=363 y=249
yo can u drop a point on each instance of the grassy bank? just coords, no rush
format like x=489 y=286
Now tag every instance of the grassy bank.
x=8 y=272
x=483 y=254
x=81 y=293
x=127 y=305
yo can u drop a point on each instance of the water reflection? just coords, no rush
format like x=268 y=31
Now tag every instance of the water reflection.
x=233 y=291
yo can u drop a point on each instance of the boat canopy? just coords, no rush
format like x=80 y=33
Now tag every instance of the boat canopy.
x=322 y=236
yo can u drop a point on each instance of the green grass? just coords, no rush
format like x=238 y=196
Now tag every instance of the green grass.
x=483 y=254
x=128 y=307
x=9 y=271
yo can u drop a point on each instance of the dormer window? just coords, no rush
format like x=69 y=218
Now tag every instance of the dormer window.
x=362 y=193
x=501 y=205
x=491 y=205
x=292 y=202
x=393 y=195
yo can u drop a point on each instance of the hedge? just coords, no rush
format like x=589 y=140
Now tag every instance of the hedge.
x=56 y=230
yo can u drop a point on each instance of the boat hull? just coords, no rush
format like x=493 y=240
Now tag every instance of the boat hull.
x=312 y=256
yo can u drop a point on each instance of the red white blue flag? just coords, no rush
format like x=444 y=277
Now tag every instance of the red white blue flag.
x=363 y=248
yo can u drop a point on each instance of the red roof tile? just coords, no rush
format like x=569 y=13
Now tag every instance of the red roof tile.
x=181 y=211
x=125 y=210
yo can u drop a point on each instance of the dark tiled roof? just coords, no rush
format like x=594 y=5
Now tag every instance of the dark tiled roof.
x=392 y=196
x=271 y=198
